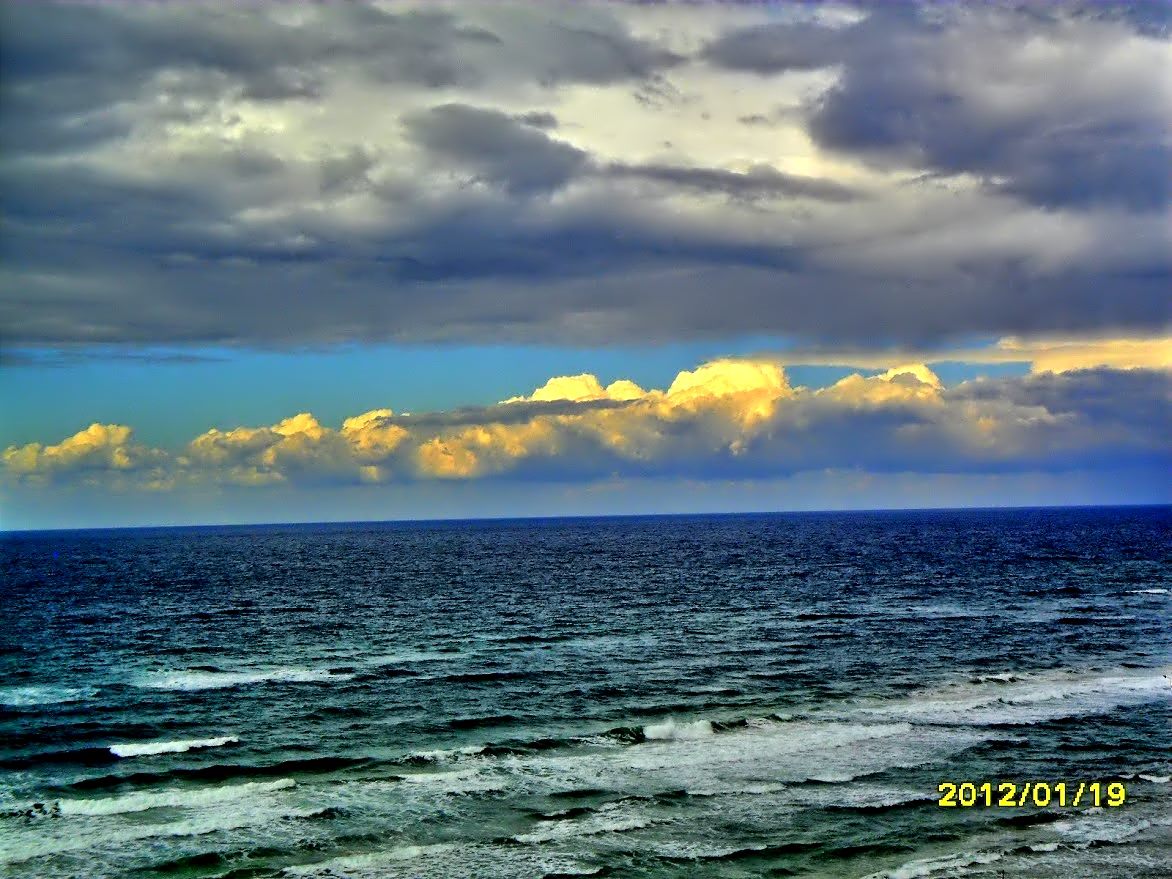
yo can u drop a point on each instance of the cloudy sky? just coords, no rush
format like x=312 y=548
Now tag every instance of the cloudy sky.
x=271 y=262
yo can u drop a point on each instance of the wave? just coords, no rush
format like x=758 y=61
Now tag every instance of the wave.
x=744 y=853
x=458 y=781
x=467 y=723
x=761 y=758
x=192 y=680
x=611 y=818
x=949 y=864
x=140 y=802
x=670 y=729
x=872 y=849
x=30 y=695
x=75 y=756
x=1095 y=827
x=540 y=639
x=1031 y=819
x=187 y=864
x=347 y=863
x=386 y=672
x=224 y=771
x=521 y=748
x=146 y=749
x=883 y=806
x=1024 y=698
x=581 y=793
x=490 y=677
x=253 y=811
x=1147 y=592
x=564 y=814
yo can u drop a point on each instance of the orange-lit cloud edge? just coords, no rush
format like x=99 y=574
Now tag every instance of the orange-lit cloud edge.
x=742 y=416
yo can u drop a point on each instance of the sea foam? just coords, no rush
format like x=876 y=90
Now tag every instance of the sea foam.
x=189 y=798
x=216 y=680
x=669 y=729
x=43 y=694
x=145 y=749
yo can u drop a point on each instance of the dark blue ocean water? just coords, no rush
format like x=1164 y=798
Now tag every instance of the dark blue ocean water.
x=772 y=695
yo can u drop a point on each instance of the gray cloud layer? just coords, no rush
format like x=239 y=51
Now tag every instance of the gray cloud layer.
x=278 y=175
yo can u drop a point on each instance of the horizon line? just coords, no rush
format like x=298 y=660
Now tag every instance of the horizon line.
x=7 y=532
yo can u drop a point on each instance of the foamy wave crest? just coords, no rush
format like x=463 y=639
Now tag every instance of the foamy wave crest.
x=217 y=680
x=1096 y=826
x=749 y=760
x=925 y=867
x=445 y=860
x=140 y=802
x=1155 y=779
x=612 y=818
x=146 y=749
x=1026 y=700
x=458 y=781
x=103 y=835
x=669 y=729
x=368 y=861
x=1147 y=592
x=866 y=798
x=46 y=694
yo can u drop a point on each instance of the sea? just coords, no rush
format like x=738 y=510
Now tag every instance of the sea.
x=680 y=696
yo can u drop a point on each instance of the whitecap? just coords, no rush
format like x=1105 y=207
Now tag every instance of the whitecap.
x=43 y=694
x=216 y=680
x=924 y=867
x=1028 y=701
x=144 y=749
x=458 y=781
x=611 y=818
x=186 y=798
x=669 y=729
x=372 y=859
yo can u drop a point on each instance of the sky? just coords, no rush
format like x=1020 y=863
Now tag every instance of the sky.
x=271 y=262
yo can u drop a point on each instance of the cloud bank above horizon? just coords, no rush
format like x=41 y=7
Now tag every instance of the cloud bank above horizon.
x=730 y=418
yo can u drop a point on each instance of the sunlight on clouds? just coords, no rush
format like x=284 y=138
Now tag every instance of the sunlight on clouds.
x=484 y=449
x=903 y=384
x=1050 y=354
x=738 y=416
x=1060 y=355
x=372 y=435
x=99 y=446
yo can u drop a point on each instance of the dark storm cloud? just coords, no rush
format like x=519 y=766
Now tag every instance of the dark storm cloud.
x=68 y=65
x=779 y=47
x=280 y=175
x=504 y=150
x=1039 y=101
x=1115 y=403
x=758 y=182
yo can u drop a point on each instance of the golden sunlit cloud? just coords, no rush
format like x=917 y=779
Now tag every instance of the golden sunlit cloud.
x=729 y=415
x=1048 y=354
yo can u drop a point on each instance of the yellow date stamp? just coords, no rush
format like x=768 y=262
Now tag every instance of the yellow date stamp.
x=1018 y=794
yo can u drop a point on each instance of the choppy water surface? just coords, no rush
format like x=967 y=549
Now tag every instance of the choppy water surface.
x=705 y=696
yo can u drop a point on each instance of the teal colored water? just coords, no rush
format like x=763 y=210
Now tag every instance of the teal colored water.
x=727 y=696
